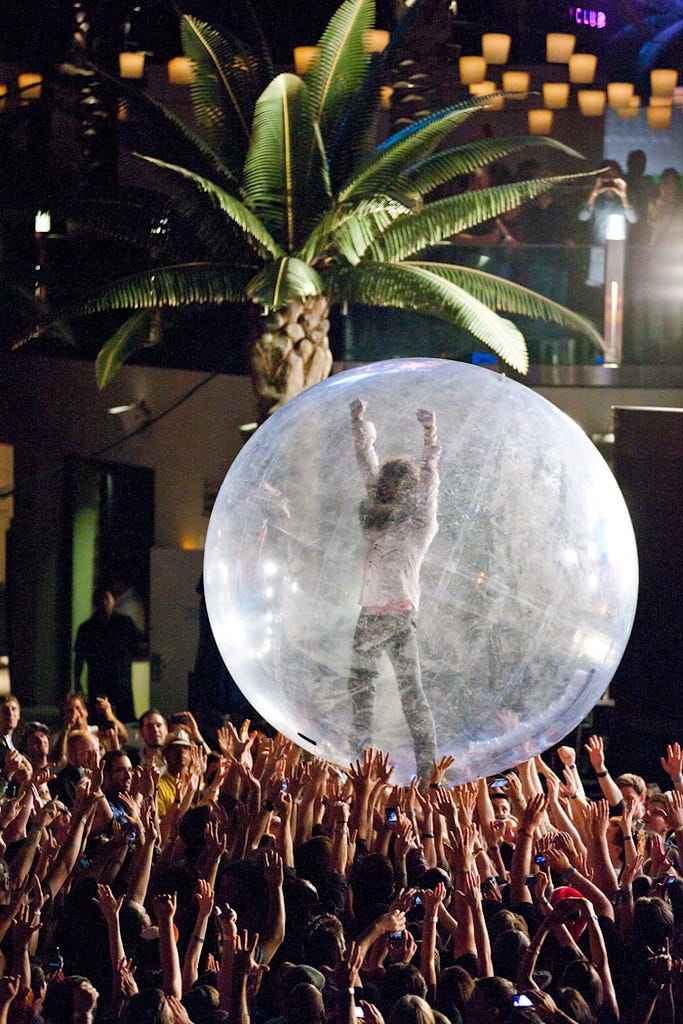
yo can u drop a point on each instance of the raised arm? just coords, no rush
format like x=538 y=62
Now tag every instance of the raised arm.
x=596 y=752
x=364 y=435
x=429 y=473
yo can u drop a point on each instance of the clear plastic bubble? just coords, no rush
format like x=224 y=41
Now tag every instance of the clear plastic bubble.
x=528 y=590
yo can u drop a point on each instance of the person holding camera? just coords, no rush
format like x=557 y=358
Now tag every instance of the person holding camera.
x=608 y=196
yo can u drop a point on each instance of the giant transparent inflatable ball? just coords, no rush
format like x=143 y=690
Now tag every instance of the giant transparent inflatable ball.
x=527 y=591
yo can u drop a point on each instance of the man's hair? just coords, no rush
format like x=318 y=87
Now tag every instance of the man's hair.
x=73 y=738
x=7 y=697
x=72 y=697
x=110 y=757
x=151 y=711
x=634 y=781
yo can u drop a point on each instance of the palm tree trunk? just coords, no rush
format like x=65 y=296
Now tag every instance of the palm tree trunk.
x=291 y=353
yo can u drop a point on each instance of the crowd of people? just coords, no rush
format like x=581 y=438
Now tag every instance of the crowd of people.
x=237 y=880
x=555 y=245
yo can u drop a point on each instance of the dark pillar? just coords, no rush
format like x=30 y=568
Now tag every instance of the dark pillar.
x=648 y=464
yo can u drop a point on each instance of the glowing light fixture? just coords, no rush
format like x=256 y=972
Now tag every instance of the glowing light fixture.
x=180 y=70
x=386 y=92
x=472 y=70
x=375 y=40
x=658 y=118
x=131 y=65
x=540 y=121
x=515 y=81
x=582 y=67
x=495 y=47
x=631 y=111
x=485 y=89
x=303 y=58
x=30 y=86
x=559 y=46
x=555 y=95
x=592 y=102
x=42 y=223
x=619 y=94
x=663 y=81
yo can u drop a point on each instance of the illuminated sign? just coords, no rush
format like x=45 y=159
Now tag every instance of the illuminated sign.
x=585 y=16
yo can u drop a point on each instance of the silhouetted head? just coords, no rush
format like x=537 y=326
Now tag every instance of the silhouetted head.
x=635 y=162
x=670 y=183
x=103 y=601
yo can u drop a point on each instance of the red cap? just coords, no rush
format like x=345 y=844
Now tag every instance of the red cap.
x=575 y=928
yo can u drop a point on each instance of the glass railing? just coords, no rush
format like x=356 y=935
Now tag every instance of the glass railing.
x=648 y=303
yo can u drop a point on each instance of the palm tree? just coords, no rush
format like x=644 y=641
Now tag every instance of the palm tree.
x=282 y=199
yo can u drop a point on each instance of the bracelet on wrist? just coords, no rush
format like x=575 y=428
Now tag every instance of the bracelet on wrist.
x=427 y=835
x=197 y=938
x=435 y=785
x=601 y=775
x=524 y=832
x=571 y=767
x=628 y=837
x=432 y=919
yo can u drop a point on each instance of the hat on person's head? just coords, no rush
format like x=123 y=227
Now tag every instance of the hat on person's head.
x=303 y=974
x=178 y=738
x=564 y=892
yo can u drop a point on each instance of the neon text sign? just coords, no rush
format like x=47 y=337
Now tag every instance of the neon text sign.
x=585 y=16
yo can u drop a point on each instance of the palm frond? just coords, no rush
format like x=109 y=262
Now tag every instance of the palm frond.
x=180 y=284
x=129 y=339
x=251 y=32
x=355 y=138
x=254 y=231
x=30 y=319
x=449 y=216
x=339 y=69
x=128 y=221
x=225 y=86
x=357 y=133
x=162 y=134
x=510 y=297
x=424 y=177
x=284 y=280
x=282 y=184
x=349 y=228
x=404 y=149
x=420 y=289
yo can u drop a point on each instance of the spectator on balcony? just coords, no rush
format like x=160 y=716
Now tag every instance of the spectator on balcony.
x=608 y=197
